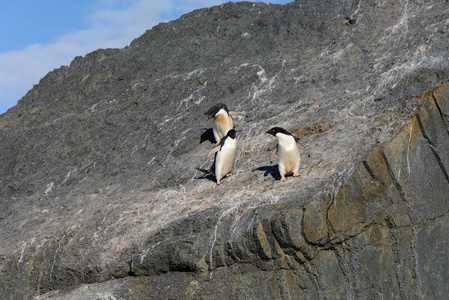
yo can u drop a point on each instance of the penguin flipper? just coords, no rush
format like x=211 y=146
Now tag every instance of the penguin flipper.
x=273 y=154
x=273 y=145
x=302 y=148
x=237 y=113
x=213 y=151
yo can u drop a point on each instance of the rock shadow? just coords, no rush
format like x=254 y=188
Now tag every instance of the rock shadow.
x=205 y=175
x=270 y=170
x=208 y=135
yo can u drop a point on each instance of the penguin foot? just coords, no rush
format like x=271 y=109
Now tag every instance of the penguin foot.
x=229 y=174
x=282 y=178
x=296 y=174
x=216 y=144
x=218 y=182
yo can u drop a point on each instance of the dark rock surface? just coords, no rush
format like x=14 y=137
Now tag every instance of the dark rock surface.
x=100 y=198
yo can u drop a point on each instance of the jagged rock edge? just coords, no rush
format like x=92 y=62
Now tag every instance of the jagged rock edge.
x=263 y=242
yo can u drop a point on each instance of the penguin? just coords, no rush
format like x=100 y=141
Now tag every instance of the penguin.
x=224 y=157
x=287 y=146
x=222 y=120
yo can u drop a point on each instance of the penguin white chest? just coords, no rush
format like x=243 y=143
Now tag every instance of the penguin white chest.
x=222 y=124
x=289 y=158
x=225 y=158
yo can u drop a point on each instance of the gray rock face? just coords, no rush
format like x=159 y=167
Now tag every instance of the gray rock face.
x=100 y=198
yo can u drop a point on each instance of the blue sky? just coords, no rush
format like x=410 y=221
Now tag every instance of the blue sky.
x=39 y=36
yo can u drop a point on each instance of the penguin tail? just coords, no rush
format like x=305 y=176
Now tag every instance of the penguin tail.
x=204 y=170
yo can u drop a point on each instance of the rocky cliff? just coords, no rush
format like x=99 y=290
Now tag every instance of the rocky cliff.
x=101 y=199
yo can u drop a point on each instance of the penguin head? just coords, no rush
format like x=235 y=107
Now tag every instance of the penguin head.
x=231 y=133
x=275 y=130
x=215 y=109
